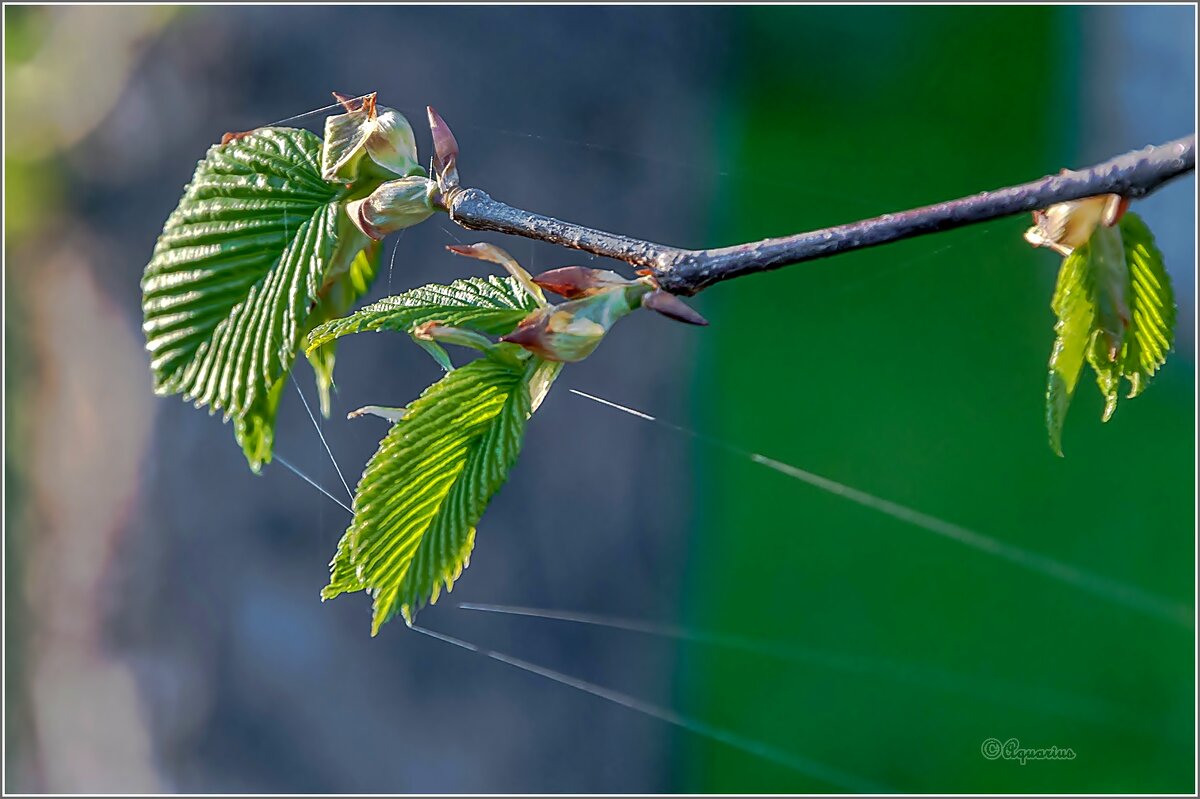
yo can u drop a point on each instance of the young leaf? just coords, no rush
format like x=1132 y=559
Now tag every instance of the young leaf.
x=254 y=430
x=1151 y=306
x=337 y=297
x=1115 y=309
x=489 y=305
x=1110 y=287
x=235 y=272
x=1073 y=305
x=426 y=487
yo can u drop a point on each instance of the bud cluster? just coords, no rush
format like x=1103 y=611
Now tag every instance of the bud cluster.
x=569 y=331
x=367 y=135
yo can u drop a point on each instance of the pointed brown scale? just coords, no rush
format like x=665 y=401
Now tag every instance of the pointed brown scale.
x=228 y=137
x=528 y=334
x=672 y=307
x=359 y=103
x=572 y=282
x=445 y=150
x=481 y=250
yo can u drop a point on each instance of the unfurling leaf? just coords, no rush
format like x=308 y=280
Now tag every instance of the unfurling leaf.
x=367 y=136
x=339 y=295
x=1075 y=310
x=235 y=273
x=425 y=489
x=1115 y=309
x=572 y=330
x=489 y=305
x=394 y=206
x=1151 y=331
x=493 y=254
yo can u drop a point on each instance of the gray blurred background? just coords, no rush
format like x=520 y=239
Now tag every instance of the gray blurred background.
x=175 y=638
x=163 y=626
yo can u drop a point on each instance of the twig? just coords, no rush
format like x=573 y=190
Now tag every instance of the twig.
x=682 y=271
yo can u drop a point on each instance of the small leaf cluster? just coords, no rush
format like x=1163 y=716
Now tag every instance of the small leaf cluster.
x=1116 y=311
x=275 y=240
x=422 y=494
x=259 y=251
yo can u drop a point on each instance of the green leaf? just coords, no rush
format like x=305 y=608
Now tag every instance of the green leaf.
x=1151 y=306
x=493 y=305
x=435 y=351
x=1110 y=287
x=1116 y=310
x=236 y=272
x=254 y=430
x=339 y=295
x=1073 y=305
x=426 y=487
x=1107 y=369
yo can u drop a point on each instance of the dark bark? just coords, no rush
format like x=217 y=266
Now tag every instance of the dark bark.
x=682 y=271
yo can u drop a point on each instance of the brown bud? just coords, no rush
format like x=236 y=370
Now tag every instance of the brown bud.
x=527 y=333
x=570 y=331
x=445 y=150
x=573 y=282
x=672 y=307
x=557 y=334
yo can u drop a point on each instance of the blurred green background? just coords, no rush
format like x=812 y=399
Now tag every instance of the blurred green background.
x=163 y=630
x=917 y=374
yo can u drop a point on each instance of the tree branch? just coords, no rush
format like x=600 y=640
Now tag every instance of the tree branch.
x=682 y=271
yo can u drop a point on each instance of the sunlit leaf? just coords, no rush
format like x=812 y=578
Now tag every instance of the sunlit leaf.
x=235 y=274
x=1073 y=305
x=426 y=487
x=1116 y=310
x=1151 y=306
x=1110 y=286
x=339 y=295
x=254 y=430
x=493 y=305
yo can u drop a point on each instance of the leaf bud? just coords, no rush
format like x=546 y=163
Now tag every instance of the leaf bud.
x=572 y=330
x=380 y=133
x=445 y=151
x=672 y=307
x=574 y=282
x=1064 y=226
x=445 y=334
x=395 y=205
